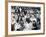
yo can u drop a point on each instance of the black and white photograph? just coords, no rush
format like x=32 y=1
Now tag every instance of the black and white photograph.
x=25 y=18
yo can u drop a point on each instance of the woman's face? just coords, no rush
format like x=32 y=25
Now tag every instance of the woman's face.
x=13 y=21
x=28 y=16
x=32 y=15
